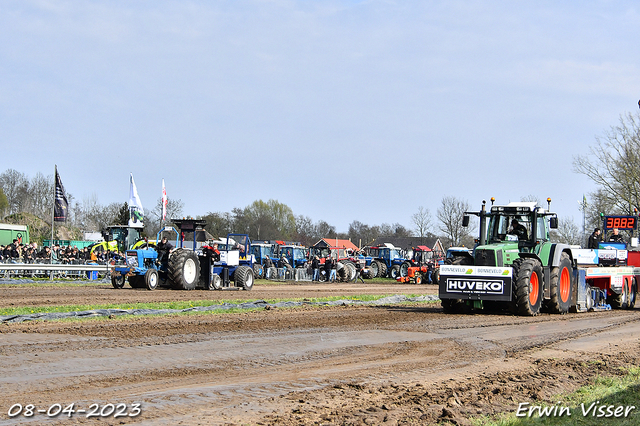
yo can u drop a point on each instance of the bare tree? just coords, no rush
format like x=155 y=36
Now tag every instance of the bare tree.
x=568 y=232
x=324 y=230
x=15 y=186
x=613 y=164
x=450 y=214
x=153 y=218
x=4 y=203
x=41 y=195
x=531 y=198
x=422 y=222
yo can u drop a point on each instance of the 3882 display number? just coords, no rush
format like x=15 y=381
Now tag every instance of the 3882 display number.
x=620 y=222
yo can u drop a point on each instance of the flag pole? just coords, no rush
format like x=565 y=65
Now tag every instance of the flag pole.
x=53 y=206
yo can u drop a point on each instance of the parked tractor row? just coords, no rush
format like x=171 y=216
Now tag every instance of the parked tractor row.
x=225 y=266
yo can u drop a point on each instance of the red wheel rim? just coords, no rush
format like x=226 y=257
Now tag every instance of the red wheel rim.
x=565 y=284
x=534 y=289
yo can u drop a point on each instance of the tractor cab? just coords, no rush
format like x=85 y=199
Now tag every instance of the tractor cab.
x=511 y=231
x=297 y=256
x=420 y=255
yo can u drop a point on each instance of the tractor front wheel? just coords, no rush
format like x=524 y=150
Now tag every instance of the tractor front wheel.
x=528 y=290
x=117 y=281
x=151 y=279
x=374 y=269
x=395 y=271
x=404 y=269
x=215 y=283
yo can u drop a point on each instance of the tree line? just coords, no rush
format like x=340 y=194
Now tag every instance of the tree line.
x=261 y=220
x=613 y=164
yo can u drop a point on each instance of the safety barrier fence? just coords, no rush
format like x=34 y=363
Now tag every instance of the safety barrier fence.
x=53 y=270
x=287 y=274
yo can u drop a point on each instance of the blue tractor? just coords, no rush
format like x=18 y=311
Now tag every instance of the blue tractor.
x=206 y=265
x=297 y=256
x=234 y=263
x=141 y=267
x=260 y=252
x=387 y=260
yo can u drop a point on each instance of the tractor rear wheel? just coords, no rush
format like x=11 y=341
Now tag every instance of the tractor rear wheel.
x=383 y=269
x=435 y=276
x=258 y=270
x=527 y=288
x=348 y=271
x=632 y=294
x=374 y=269
x=620 y=301
x=151 y=279
x=560 y=287
x=117 y=281
x=404 y=269
x=243 y=277
x=184 y=269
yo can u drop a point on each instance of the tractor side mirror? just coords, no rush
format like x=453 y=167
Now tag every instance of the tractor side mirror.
x=553 y=222
x=465 y=221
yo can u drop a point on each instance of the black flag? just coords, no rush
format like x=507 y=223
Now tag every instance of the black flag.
x=61 y=207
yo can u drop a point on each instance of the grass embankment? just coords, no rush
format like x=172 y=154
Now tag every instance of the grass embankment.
x=609 y=400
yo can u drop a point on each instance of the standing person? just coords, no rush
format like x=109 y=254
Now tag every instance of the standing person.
x=616 y=237
x=332 y=267
x=594 y=239
x=283 y=264
x=315 y=265
x=359 y=267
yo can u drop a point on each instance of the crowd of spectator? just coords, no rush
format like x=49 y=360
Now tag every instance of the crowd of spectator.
x=16 y=252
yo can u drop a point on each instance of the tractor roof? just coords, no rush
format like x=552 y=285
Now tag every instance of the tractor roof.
x=515 y=207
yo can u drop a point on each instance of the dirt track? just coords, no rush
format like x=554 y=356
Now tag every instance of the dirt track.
x=309 y=365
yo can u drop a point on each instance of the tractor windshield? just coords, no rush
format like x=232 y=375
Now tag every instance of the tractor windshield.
x=321 y=251
x=504 y=227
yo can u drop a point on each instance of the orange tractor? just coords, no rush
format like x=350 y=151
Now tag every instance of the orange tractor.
x=418 y=267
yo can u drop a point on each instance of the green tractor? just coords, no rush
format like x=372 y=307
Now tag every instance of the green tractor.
x=119 y=238
x=514 y=265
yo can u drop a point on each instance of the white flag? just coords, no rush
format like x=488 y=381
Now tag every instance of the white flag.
x=136 y=212
x=164 y=202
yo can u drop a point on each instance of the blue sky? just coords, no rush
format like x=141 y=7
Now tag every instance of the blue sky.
x=343 y=110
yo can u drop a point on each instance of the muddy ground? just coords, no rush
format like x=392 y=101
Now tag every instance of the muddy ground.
x=407 y=364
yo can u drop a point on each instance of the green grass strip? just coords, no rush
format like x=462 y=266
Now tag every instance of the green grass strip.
x=592 y=405
x=26 y=310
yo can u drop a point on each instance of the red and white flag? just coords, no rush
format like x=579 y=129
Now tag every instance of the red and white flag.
x=164 y=201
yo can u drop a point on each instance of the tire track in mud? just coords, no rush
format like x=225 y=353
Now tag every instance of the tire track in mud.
x=185 y=374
